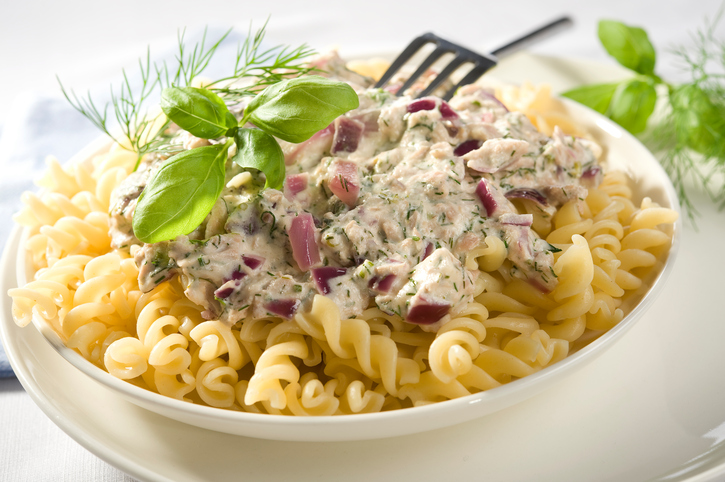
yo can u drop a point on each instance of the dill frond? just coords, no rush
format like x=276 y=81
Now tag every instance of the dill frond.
x=189 y=64
x=695 y=124
x=264 y=67
x=143 y=132
x=137 y=131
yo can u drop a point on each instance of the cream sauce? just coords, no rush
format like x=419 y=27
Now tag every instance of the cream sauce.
x=399 y=192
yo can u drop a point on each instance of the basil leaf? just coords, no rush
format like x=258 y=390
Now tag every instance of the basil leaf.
x=629 y=45
x=295 y=109
x=596 y=96
x=180 y=194
x=199 y=111
x=259 y=150
x=632 y=104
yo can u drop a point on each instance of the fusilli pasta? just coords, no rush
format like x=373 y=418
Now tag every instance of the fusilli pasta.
x=318 y=363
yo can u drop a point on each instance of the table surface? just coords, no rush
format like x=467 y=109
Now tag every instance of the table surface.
x=86 y=43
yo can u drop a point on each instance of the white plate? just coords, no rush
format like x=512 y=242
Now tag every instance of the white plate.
x=651 y=405
x=623 y=152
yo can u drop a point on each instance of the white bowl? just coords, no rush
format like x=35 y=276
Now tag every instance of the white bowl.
x=623 y=152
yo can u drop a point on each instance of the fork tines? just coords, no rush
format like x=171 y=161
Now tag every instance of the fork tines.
x=481 y=63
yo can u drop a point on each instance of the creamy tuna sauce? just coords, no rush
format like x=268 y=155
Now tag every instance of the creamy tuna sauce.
x=384 y=207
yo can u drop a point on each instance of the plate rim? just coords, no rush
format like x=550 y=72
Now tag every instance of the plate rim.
x=702 y=476
x=88 y=441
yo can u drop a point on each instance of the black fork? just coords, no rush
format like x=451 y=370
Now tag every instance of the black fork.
x=481 y=63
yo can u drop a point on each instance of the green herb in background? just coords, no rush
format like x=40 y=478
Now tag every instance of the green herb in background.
x=690 y=135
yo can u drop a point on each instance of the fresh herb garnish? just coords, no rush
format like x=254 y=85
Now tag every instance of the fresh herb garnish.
x=690 y=135
x=139 y=131
x=289 y=102
x=144 y=133
x=295 y=109
x=200 y=112
x=630 y=102
x=180 y=195
x=258 y=150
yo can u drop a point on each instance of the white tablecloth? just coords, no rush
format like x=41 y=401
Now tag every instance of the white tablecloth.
x=87 y=42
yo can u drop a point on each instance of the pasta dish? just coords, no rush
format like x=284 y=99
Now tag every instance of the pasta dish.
x=418 y=251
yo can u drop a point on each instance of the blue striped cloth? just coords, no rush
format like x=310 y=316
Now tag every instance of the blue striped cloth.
x=35 y=126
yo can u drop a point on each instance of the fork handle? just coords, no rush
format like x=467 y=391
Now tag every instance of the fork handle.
x=539 y=34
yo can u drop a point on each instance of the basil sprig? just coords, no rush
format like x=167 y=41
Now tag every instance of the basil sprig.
x=180 y=195
x=631 y=102
x=258 y=150
x=199 y=111
x=597 y=96
x=688 y=134
x=629 y=45
x=294 y=110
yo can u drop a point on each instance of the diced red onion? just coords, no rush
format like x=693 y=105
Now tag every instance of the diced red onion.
x=345 y=182
x=527 y=193
x=384 y=284
x=484 y=194
x=347 y=135
x=467 y=146
x=302 y=238
x=224 y=292
x=447 y=111
x=591 y=173
x=295 y=184
x=286 y=308
x=428 y=250
x=322 y=277
x=421 y=104
x=590 y=177
x=427 y=312
x=252 y=261
x=517 y=219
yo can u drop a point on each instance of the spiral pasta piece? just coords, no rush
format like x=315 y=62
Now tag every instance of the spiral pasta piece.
x=430 y=389
x=312 y=398
x=273 y=367
x=359 y=399
x=126 y=358
x=215 y=383
x=492 y=256
x=377 y=355
x=452 y=353
x=575 y=271
x=216 y=339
